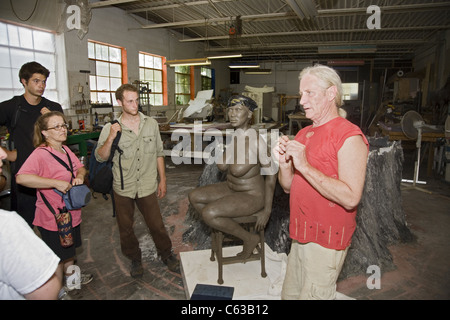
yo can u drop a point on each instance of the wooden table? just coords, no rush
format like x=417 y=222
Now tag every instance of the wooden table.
x=394 y=132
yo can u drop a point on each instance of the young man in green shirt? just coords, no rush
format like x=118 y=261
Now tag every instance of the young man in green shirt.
x=142 y=161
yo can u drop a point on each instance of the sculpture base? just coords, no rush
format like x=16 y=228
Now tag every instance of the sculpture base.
x=245 y=278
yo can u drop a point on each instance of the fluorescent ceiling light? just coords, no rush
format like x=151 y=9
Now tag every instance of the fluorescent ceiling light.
x=238 y=65
x=347 y=49
x=188 y=62
x=259 y=71
x=226 y=56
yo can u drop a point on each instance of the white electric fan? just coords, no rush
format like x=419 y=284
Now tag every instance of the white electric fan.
x=412 y=124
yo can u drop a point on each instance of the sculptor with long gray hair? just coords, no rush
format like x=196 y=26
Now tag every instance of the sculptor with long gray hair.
x=323 y=169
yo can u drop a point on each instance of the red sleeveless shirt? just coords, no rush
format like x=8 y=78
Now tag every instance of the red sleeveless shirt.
x=314 y=218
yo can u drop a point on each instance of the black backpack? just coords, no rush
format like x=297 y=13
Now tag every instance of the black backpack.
x=100 y=173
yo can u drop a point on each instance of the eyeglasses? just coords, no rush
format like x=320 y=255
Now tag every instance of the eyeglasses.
x=59 y=127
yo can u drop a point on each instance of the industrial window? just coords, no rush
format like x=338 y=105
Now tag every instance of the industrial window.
x=182 y=84
x=151 y=79
x=19 y=45
x=206 y=75
x=106 y=71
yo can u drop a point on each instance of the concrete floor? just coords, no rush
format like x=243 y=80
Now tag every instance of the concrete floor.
x=423 y=267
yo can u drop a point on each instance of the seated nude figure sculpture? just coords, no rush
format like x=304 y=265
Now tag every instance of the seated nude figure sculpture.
x=246 y=191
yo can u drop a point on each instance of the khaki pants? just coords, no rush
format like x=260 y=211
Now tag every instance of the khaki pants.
x=312 y=272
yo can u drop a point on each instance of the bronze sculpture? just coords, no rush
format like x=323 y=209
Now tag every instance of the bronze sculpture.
x=246 y=191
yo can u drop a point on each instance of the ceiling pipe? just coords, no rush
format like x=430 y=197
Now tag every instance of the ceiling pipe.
x=316 y=32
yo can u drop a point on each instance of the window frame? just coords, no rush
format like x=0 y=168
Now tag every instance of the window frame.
x=162 y=82
x=206 y=79
x=186 y=82
x=51 y=55
x=95 y=62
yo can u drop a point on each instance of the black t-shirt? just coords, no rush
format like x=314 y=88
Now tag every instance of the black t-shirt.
x=26 y=115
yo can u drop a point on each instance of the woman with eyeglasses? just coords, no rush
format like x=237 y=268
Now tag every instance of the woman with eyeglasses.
x=43 y=172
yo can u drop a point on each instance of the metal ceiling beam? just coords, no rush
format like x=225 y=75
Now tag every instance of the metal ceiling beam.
x=202 y=22
x=315 y=44
x=317 y=32
x=108 y=3
x=249 y=55
x=177 y=5
x=328 y=12
x=398 y=8
x=263 y=48
x=282 y=15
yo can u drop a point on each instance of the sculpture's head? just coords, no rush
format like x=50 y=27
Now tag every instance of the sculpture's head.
x=240 y=110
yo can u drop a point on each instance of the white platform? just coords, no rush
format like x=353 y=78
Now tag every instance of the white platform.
x=245 y=278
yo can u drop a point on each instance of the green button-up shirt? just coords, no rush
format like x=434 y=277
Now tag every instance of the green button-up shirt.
x=139 y=158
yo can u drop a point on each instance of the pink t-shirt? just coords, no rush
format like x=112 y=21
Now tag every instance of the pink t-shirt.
x=41 y=163
x=314 y=218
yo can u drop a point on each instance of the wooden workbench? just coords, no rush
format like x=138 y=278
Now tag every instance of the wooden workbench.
x=394 y=132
